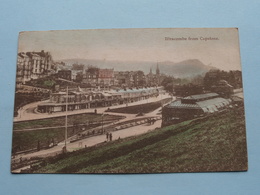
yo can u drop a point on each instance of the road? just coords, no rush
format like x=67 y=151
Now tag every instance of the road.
x=28 y=112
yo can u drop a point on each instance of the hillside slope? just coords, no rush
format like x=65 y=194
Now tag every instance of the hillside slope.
x=217 y=143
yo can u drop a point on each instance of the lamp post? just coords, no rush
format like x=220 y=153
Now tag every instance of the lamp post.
x=102 y=123
x=161 y=100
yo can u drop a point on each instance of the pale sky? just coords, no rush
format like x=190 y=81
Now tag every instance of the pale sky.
x=138 y=45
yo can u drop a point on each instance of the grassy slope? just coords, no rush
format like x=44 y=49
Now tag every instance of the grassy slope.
x=210 y=144
x=29 y=139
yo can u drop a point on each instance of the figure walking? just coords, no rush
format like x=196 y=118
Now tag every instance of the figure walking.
x=107 y=135
x=110 y=136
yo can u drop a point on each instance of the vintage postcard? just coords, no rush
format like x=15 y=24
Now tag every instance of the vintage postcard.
x=129 y=101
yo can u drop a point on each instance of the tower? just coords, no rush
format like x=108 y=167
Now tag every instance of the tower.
x=157 y=75
x=157 y=70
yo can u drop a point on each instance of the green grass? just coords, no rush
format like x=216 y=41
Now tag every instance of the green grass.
x=29 y=140
x=60 y=121
x=48 y=83
x=217 y=143
x=25 y=140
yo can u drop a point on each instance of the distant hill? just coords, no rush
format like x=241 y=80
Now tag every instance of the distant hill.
x=186 y=68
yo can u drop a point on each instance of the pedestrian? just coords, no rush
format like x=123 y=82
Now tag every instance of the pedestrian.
x=110 y=136
x=107 y=135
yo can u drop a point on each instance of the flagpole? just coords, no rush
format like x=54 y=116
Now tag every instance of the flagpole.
x=66 y=120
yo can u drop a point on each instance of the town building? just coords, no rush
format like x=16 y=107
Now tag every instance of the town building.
x=124 y=78
x=33 y=65
x=105 y=77
x=139 y=79
x=96 y=77
x=192 y=107
x=129 y=79
x=90 y=76
x=24 y=68
x=83 y=99
x=153 y=79
x=108 y=78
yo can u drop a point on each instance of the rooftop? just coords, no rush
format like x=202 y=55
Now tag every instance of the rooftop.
x=207 y=102
x=201 y=96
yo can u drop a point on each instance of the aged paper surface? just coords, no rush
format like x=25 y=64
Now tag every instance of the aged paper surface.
x=129 y=101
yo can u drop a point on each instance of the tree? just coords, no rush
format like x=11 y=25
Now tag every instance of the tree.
x=77 y=66
x=167 y=83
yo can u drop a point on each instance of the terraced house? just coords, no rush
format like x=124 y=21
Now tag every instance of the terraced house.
x=83 y=99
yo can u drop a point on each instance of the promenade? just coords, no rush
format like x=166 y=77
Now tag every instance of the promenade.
x=28 y=112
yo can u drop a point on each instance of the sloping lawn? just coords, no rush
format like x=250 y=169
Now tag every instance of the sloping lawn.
x=216 y=143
